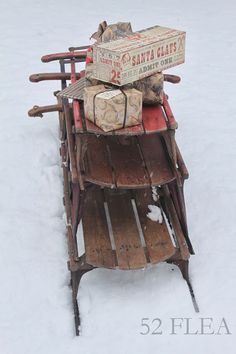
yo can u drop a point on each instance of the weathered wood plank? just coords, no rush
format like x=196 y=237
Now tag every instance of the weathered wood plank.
x=156 y=159
x=97 y=242
x=158 y=241
x=153 y=119
x=129 y=169
x=129 y=250
x=96 y=161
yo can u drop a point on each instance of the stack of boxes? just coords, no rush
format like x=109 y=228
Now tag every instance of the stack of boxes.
x=130 y=71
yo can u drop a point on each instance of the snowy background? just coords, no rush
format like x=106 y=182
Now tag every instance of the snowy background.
x=35 y=299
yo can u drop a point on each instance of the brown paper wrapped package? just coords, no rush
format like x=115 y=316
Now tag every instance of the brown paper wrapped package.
x=151 y=88
x=106 y=33
x=107 y=110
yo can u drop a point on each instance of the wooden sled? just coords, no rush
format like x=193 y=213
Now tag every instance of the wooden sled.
x=110 y=179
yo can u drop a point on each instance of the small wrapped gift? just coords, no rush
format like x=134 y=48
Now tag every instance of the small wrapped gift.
x=107 y=33
x=151 y=88
x=112 y=109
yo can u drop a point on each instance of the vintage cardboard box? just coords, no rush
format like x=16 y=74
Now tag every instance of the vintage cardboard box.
x=139 y=55
x=112 y=109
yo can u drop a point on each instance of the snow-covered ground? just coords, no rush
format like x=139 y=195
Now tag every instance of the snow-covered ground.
x=35 y=299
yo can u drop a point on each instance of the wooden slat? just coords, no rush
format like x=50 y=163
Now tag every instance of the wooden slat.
x=153 y=119
x=129 y=250
x=129 y=169
x=97 y=166
x=156 y=159
x=98 y=247
x=157 y=238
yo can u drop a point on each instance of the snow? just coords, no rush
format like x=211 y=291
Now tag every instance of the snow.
x=155 y=213
x=35 y=299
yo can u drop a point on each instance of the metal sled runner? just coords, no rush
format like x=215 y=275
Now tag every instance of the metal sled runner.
x=110 y=179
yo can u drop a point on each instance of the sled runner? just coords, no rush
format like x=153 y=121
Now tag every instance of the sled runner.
x=111 y=178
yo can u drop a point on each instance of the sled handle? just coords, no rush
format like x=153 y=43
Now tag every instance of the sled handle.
x=72 y=49
x=68 y=55
x=51 y=76
x=174 y=79
x=38 y=111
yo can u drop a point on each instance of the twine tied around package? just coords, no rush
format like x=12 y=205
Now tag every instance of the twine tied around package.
x=125 y=111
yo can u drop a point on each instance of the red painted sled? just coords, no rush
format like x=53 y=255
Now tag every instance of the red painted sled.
x=110 y=179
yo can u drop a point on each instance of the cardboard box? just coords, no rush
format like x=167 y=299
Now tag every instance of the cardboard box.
x=112 y=109
x=139 y=55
